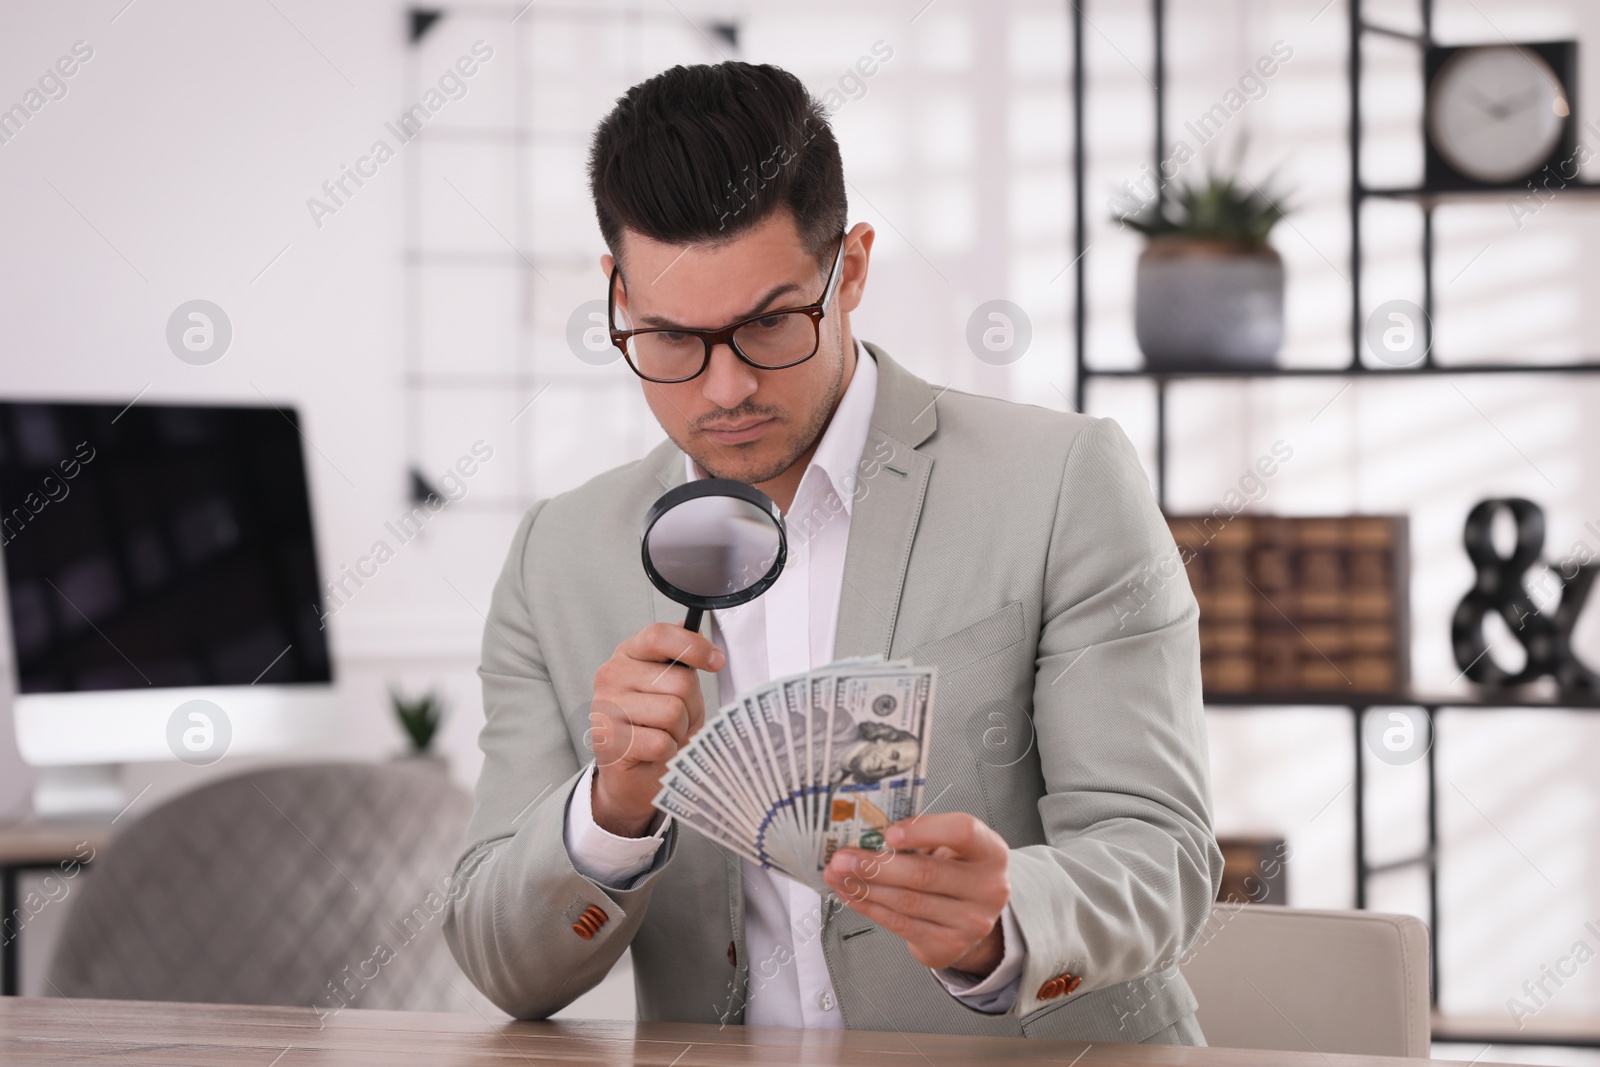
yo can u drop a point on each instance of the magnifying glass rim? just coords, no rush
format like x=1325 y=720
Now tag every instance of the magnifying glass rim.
x=713 y=487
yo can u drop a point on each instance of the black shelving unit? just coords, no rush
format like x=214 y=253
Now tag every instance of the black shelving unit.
x=1356 y=369
x=1428 y=858
x=1426 y=200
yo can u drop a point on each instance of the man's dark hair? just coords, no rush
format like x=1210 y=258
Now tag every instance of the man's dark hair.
x=700 y=154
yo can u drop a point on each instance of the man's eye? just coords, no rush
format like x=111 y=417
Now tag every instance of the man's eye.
x=673 y=337
x=770 y=322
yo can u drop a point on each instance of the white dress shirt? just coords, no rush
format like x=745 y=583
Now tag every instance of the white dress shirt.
x=790 y=628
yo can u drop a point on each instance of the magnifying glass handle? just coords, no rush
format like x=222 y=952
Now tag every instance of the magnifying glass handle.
x=691 y=622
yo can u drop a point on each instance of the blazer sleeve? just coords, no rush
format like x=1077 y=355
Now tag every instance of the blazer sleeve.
x=513 y=915
x=1130 y=868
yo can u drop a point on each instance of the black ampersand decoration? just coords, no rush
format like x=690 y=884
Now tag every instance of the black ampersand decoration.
x=1547 y=638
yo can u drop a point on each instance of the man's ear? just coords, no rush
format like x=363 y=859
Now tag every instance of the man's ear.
x=606 y=264
x=853 y=272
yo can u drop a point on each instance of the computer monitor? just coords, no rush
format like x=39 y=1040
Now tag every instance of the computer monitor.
x=162 y=586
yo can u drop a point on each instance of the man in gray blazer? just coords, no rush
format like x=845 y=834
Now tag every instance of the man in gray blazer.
x=1066 y=858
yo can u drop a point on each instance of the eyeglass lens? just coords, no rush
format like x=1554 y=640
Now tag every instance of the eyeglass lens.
x=770 y=341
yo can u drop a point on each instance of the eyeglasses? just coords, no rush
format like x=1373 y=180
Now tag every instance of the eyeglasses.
x=771 y=340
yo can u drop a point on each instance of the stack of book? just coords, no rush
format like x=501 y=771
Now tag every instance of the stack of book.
x=1299 y=605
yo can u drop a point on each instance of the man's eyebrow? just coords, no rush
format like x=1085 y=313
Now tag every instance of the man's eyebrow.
x=658 y=322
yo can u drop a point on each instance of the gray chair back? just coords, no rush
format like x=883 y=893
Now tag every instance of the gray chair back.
x=1298 y=980
x=320 y=886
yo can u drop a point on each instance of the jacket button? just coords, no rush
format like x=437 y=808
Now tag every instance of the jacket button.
x=589 y=922
x=1052 y=989
x=1077 y=980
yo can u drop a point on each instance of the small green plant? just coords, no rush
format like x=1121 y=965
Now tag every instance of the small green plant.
x=419 y=717
x=1219 y=208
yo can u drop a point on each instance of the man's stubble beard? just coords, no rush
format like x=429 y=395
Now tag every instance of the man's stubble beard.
x=716 y=463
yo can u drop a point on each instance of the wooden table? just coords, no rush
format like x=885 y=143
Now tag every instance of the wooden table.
x=37 y=1030
x=36 y=846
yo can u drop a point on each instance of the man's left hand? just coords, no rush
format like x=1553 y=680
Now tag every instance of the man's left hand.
x=940 y=884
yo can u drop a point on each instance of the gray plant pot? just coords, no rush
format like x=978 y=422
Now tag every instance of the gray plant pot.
x=428 y=761
x=1205 y=304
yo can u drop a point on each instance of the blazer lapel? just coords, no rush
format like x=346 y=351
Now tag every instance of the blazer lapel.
x=893 y=479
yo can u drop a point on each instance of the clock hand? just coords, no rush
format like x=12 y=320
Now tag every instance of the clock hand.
x=1482 y=101
x=1500 y=110
x=1521 y=103
x=1494 y=119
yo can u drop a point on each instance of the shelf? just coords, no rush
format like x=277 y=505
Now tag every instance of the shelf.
x=1540 y=1029
x=1459 y=702
x=1405 y=863
x=32 y=844
x=1433 y=197
x=1347 y=371
x=1390 y=31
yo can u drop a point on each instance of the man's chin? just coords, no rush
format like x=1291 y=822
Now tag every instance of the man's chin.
x=735 y=463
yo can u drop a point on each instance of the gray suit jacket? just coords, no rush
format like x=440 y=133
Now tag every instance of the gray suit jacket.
x=1021 y=551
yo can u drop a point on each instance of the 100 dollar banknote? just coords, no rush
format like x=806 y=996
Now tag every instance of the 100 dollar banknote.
x=807 y=764
x=875 y=753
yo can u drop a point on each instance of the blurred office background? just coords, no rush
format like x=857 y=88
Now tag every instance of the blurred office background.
x=433 y=308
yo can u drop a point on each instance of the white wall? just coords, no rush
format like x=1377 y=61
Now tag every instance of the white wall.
x=180 y=162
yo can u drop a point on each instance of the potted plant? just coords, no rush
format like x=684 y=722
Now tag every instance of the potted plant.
x=419 y=718
x=1210 y=287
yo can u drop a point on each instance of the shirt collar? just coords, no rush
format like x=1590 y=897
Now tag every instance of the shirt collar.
x=843 y=442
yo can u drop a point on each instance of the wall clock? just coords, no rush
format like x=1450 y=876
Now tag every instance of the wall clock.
x=1496 y=115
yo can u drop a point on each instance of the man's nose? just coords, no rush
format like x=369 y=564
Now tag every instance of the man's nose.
x=729 y=380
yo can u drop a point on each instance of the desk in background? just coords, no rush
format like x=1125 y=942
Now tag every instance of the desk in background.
x=45 y=1030
x=36 y=846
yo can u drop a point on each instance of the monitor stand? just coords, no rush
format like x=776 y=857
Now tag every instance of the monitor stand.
x=92 y=791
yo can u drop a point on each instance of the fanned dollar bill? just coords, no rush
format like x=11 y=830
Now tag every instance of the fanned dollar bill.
x=807 y=764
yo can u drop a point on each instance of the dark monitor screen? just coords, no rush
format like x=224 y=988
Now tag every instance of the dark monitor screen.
x=158 y=545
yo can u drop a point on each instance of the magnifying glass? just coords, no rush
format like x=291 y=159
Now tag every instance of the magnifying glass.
x=713 y=543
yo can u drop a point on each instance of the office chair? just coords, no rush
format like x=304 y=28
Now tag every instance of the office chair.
x=320 y=886
x=1297 y=980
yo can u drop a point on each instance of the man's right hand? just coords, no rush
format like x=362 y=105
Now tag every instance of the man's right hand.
x=645 y=709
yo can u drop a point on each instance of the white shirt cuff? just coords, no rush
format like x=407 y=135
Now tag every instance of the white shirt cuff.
x=597 y=853
x=997 y=991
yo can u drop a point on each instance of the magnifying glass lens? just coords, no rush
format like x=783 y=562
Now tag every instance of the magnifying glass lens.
x=711 y=544
x=714 y=545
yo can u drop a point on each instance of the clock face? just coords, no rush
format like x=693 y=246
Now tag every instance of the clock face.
x=1496 y=113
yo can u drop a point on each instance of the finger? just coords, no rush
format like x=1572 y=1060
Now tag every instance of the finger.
x=648 y=746
x=662 y=641
x=923 y=874
x=617 y=741
x=662 y=711
x=696 y=705
x=931 y=945
x=969 y=838
x=611 y=740
x=625 y=674
x=658 y=711
x=960 y=916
